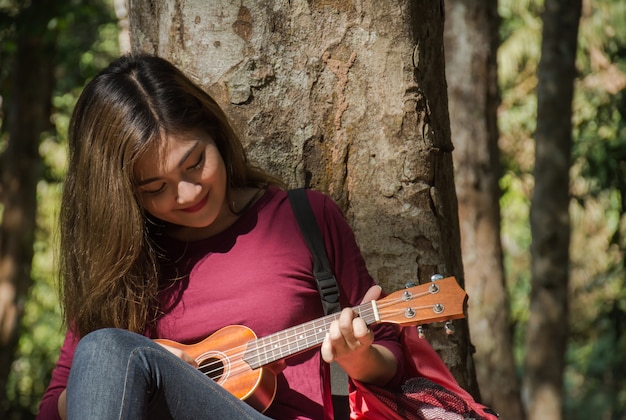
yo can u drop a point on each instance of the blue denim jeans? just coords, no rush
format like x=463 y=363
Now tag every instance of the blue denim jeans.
x=117 y=374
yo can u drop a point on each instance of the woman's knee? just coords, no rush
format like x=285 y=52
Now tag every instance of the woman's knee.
x=107 y=343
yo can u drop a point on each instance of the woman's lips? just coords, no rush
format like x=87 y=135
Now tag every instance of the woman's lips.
x=196 y=207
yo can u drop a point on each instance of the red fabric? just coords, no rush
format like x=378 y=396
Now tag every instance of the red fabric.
x=429 y=390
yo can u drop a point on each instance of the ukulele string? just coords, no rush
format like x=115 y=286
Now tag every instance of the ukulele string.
x=267 y=347
x=264 y=351
x=383 y=306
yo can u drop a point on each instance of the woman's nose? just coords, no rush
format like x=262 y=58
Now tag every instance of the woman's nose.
x=187 y=192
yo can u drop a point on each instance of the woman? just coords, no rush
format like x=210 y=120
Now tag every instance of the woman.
x=168 y=232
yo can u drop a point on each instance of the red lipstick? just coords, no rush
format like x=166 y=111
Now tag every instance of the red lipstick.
x=196 y=207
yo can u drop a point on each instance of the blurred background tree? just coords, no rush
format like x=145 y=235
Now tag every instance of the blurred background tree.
x=471 y=44
x=595 y=372
x=595 y=358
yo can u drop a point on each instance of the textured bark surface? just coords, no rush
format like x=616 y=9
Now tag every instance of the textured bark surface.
x=471 y=41
x=345 y=97
x=547 y=328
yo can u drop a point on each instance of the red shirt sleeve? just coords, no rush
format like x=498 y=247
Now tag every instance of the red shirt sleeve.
x=48 y=408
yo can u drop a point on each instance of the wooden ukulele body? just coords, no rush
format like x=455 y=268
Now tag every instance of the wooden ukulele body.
x=220 y=357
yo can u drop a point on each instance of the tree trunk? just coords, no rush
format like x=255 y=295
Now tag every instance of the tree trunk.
x=27 y=117
x=345 y=97
x=471 y=42
x=547 y=328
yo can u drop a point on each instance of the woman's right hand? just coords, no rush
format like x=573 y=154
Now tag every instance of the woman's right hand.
x=180 y=354
x=62 y=405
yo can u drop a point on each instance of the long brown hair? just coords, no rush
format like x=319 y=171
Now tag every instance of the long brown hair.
x=108 y=265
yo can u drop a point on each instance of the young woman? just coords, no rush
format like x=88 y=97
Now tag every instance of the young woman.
x=168 y=232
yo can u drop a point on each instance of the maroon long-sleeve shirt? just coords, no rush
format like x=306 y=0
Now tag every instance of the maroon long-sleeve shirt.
x=257 y=273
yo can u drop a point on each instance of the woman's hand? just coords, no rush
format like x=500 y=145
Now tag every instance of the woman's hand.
x=350 y=334
x=62 y=404
x=349 y=342
x=180 y=354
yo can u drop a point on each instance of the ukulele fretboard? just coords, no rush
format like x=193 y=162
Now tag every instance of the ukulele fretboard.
x=277 y=346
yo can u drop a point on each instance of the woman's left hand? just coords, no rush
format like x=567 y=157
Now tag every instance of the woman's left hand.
x=350 y=343
x=349 y=335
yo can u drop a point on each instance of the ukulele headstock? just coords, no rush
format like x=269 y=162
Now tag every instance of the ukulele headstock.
x=438 y=301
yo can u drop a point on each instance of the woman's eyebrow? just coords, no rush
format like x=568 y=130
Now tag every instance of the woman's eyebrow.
x=189 y=152
x=180 y=163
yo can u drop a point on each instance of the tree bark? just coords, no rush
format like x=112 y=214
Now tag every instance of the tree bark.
x=471 y=42
x=547 y=328
x=345 y=97
x=27 y=117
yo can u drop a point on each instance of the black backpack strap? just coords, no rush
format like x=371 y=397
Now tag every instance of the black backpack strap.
x=327 y=286
x=326 y=282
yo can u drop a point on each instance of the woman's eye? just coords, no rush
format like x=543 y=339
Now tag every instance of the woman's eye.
x=199 y=163
x=156 y=191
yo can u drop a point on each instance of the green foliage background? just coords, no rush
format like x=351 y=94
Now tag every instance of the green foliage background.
x=596 y=369
x=87 y=40
x=595 y=375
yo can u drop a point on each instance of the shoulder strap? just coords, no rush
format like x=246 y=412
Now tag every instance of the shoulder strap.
x=326 y=285
x=326 y=282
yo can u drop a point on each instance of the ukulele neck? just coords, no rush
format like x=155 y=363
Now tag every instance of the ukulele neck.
x=280 y=345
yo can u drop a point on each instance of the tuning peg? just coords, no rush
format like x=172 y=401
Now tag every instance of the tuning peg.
x=449 y=327
x=410 y=284
x=420 y=331
x=436 y=277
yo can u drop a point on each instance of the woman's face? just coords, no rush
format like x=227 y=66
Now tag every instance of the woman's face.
x=182 y=181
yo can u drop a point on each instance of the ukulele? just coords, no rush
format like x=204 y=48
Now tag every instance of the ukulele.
x=243 y=364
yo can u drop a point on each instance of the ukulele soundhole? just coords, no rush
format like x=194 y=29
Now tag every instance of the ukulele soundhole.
x=212 y=367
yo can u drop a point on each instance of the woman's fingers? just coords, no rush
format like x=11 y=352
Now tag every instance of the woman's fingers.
x=349 y=333
x=180 y=354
